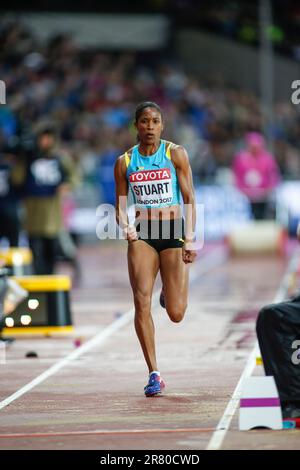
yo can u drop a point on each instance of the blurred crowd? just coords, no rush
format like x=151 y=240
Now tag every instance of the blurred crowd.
x=240 y=21
x=89 y=98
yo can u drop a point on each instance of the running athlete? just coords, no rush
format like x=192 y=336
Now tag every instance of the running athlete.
x=156 y=172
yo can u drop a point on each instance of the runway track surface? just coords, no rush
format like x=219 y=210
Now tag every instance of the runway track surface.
x=91 y=397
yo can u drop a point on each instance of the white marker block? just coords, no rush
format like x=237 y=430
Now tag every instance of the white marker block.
x=260 y=404
x=258 y=236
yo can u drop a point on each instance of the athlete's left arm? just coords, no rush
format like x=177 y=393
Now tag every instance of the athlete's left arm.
x=181 y=162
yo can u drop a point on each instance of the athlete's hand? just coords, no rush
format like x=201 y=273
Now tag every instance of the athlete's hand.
x=188 y=254
x=130 y=233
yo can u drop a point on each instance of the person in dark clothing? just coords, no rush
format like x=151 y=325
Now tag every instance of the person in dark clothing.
x=9 y=203
x=278 y=333
x=43 y=178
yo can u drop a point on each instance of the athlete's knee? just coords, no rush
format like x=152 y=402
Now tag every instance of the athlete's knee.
x=142 y=301
x=176 y=313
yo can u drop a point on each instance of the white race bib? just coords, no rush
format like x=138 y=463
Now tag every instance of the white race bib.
x=46 y=172
x=152 y=187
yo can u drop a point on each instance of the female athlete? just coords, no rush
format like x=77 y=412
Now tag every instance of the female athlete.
x=156 y=171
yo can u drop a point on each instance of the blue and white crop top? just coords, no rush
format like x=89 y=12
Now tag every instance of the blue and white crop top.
x=152 y=179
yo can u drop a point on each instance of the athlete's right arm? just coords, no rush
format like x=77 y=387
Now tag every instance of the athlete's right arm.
x=298 y=232
x=121 y=199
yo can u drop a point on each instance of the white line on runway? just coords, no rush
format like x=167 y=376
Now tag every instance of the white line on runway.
x=218 y=436
x=206 y=264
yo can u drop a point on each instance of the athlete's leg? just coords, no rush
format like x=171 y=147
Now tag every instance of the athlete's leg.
x=175 y=276
x=143 y=265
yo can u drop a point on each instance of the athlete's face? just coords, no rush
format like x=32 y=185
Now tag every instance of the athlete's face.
x=149 y=126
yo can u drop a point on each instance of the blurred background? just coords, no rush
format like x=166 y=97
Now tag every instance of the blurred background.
x=226 y=74
x=222 y=71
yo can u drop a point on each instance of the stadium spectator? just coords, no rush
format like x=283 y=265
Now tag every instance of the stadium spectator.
x=43 y=179
x=9 y=202
x=256 y=173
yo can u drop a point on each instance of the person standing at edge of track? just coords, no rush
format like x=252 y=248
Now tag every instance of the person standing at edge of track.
x=42 y=178
x=278 y=334
x=156 y=171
